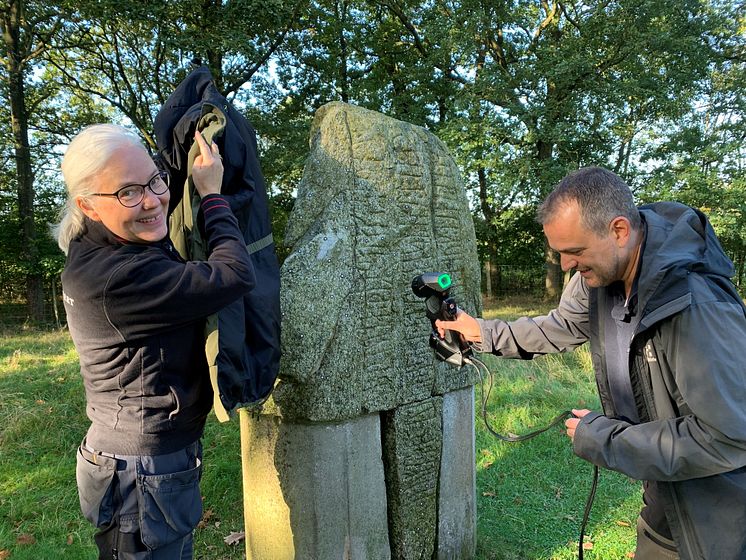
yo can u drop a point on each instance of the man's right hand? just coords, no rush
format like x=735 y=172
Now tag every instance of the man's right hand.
x=464 y=324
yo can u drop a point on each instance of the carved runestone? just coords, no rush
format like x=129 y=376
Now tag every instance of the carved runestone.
x=380 y=202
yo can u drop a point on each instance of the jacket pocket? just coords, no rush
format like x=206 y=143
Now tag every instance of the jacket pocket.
x=96 y=487
x=170 y=505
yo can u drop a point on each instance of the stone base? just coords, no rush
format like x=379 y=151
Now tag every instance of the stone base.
x=313 y=491
x=457 y=505
x=318 y=491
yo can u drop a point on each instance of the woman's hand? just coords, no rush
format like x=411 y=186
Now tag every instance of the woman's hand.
x=207 y=169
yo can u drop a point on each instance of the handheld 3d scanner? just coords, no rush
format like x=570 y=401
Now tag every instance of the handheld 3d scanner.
x=434 y=287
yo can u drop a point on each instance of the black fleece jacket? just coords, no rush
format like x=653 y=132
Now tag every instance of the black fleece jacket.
x=136 y=315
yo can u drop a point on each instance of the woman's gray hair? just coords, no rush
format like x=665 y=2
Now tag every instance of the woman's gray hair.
x=601 y=196
x=85 y=157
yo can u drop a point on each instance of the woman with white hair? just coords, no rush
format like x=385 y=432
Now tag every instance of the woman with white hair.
x=136 y=313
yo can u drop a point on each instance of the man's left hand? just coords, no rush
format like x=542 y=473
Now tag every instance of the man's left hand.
x=572 y=423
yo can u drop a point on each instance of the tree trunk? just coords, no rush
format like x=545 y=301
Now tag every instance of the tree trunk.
x=554 y=278
x=55 y=306
x=487 y=211
x=24 y=173
x=488 y=277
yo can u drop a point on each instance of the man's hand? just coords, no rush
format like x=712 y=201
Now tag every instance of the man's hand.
x=572 y=423
x=464 y=324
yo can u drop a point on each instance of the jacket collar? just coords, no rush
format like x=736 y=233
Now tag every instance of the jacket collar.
x=679 y=240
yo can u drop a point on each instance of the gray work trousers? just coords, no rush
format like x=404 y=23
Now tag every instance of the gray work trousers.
x=145 y=507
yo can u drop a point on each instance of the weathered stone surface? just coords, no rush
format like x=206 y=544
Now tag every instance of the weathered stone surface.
x=412 y=442
x=314 y=491
x=457 y=490
x=380 y=202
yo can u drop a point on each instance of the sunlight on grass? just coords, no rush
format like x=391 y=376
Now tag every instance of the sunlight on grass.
x=511 y=308
x=26 y=478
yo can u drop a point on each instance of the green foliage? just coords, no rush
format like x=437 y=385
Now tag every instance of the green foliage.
x=280 y=205
x=516 y=235
x=700 y=160
x=521 y=92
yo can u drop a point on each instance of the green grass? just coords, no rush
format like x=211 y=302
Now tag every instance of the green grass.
x=530 y=495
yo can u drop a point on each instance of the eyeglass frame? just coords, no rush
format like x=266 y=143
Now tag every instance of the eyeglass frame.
x=162 y=176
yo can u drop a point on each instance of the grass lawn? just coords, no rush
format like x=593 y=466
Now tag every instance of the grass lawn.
x=530 y=496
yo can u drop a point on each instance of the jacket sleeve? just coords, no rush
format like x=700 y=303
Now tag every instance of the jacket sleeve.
x=702 y=360
x=151 y=292
x=564 y=328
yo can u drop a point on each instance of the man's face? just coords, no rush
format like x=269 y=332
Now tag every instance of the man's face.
x=599 y=259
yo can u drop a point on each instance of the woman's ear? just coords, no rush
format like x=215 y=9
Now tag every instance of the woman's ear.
x=85 y=206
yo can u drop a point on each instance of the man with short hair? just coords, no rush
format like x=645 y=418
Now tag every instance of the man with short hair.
x=667 y=328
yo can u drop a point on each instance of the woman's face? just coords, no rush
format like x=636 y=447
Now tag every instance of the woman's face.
x=144 y=223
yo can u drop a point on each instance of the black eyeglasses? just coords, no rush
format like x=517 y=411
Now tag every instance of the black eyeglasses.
x=132 y=195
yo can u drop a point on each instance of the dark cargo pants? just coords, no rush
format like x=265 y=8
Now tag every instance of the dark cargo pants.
x=145 y=507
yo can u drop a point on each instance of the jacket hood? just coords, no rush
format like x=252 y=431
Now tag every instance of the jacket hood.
x=679 y=240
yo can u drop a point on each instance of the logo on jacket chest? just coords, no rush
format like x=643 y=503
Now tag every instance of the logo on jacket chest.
x=650 y=353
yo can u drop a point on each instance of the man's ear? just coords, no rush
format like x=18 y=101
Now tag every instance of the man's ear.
x=621 y=229
x=85 y=206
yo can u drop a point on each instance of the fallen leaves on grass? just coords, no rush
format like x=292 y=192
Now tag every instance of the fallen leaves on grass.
x=622 y=523
x=487 y=460
x=234 y=538
x=25 y=538
x=206 y=516
x=4 y=554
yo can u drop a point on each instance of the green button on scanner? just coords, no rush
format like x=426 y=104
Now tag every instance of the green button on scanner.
x=444 y=281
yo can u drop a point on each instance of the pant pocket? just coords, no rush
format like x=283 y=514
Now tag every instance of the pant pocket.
x=170 y=506
x=96 y=487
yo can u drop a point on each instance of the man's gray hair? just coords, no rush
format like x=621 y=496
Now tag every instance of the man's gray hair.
x=600 y=194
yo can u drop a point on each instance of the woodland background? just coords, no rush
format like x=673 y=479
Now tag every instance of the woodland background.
x=520 y=91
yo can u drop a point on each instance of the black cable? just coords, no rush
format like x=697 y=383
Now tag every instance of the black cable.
x=476 y=363
x=485 y=396
x=587 y=512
